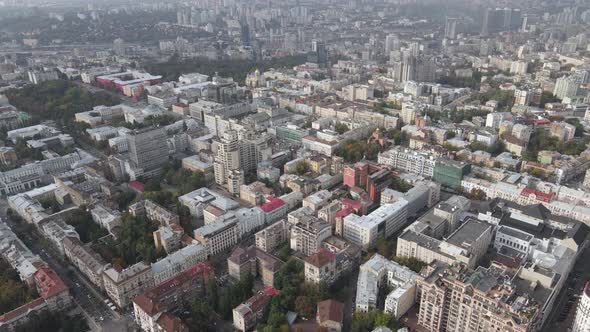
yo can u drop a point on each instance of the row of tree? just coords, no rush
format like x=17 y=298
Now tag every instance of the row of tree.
x=13 y=293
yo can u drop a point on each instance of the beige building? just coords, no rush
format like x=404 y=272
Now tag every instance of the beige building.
x=255 y=192
x=251 y=260
x=123 y=286
x=308 y=234
x=320 y=267
x=218 y=236
x=153 y=211
x=467 y=244
x=454 y=298
x=272 y=236
x=85 y=259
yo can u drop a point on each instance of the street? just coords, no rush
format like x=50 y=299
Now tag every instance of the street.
x=564 y=309
x=90 y=300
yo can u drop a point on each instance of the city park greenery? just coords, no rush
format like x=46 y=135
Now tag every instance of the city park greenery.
x=57 y=100
x=13 y=292
x=81 y=220
x=135 y=243
x=542 y=140
x=54 y=322
x=237 y=69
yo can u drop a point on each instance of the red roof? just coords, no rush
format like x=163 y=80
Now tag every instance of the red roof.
x=329 y=310
x=149 y=302
x=344 y=212
x=540 y=196
x=136 y=185
x=351 y=203
x=271 y=291
x=542 y=121
x=22 y=310
x=170 y=323
x=272 y=204
x=49 y=283
x=321 y=258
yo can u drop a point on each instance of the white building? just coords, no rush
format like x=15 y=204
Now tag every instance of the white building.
x=364 y=231
x=379 y=271
x=408 y=160
x=582 y=320
x=177 y=262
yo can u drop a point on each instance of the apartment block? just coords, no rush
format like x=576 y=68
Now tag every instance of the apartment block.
x=152 y=309
x=124 y=285
x=379 y=271
x=85 y=259
x=364 y=231
x=307 y=235
x=484 y=299
x=247 y=314
x=252 y=260
x=272 y=236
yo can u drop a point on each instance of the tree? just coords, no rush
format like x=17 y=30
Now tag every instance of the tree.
x=152 y=185
x=411 y=262
x=200 y=316
x=341 y=128
x=301 y=167
x=477 y=194
x=305 y=306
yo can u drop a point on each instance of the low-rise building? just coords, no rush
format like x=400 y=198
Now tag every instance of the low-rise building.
x=218 y=236
x=153 y=211
x=153 y=308
x=86 y=260
x=330 y=315
x=178 y=262
x=247 y=314
x=379 y=271
x=122 y=286
x=252 y=260
x=364 y=231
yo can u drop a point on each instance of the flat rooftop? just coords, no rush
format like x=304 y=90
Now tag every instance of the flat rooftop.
x=469 y=232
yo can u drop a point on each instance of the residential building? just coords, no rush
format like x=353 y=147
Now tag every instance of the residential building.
x=152 y=309
x=218 y=236
x=122 y=286
x=85 y=259
x=582 y=318
x=255 y=192
x=408 y=160
x=254 y=261
x=178 y=262
x=308 y=233
x=379 y=271
x=364 y=231
x=274 y=209
x=153 y=212
x=105 y=217
x=272 y=236
x=484 y=299
x=168 y=238
x=317 y=200
x=565 y=87
x=247 y=314
x=320 y=267
x=563 y=131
